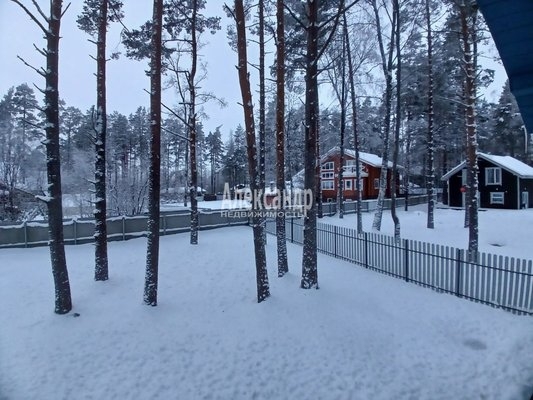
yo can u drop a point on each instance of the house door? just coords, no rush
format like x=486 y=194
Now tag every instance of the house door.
x=478 y=199
x=525 y=200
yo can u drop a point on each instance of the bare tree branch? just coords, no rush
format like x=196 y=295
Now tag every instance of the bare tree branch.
x=39 y=71
x=32 y=16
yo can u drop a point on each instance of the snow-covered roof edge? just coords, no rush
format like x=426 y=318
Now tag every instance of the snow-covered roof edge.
x=511 y=164
x=367 y=158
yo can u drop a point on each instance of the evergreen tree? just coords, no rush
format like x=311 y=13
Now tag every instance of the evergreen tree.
x=51 y=30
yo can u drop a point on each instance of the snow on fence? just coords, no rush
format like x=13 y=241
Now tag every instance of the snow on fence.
x=77 y=231
x=496 y=280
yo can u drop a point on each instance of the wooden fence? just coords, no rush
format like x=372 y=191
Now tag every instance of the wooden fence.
x=77 y=231
x=496 y=280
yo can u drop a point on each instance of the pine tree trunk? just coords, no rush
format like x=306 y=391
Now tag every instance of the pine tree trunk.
x=430 y=177
x=100 y=212
x=396 y=16
x=152 y=254
x=63 y=300
x=263 y=290
x=262 y=108
x=283 y=266
x=309 y=259
x=343 y=102
x=192 y=127
x=351 y=78
x=387 y=66
x=468 y=39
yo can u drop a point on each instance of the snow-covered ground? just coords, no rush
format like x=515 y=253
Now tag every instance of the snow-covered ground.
x=363 y=335
x=505 y=232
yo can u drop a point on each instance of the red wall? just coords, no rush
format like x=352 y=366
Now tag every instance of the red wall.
x=368 y=182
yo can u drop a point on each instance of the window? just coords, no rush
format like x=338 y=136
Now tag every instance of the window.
x=327 y=175
x=328 y=166
x=347 y=184
x=376 y=183
x=497 y=198
x=327 y=185
x=349 y=162
x=493 y=176
x=463 y=177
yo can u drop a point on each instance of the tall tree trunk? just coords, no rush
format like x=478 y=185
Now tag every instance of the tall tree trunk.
x=263 y=290
x=192 y=127
x=309 y=259
x=283 y=266
x=407 y=175
x=387 y=66
x=63 y=300
x=467 y=13
x=187 y=183
x=396 y=10
x=152 y=254
x=343 y=102
x=351 y=78
x=262 y=108
x=100 y=210
x=318 y=174
x=430 y=177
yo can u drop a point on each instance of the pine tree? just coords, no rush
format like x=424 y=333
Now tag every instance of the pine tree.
x=94 y=20
x=263 y=290
x=154 y=193
x=283 y=266
x=51 y=30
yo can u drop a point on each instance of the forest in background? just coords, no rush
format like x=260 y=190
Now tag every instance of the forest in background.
x=221 y=156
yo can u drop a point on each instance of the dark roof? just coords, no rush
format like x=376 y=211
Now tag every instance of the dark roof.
x=511 y=25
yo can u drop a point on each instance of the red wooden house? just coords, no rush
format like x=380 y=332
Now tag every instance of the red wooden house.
x=370 y=173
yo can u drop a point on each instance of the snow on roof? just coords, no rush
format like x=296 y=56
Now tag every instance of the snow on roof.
x=367 y=158
x=511 y=164
x=508 y=163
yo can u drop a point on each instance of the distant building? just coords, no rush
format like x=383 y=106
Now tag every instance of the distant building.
x=504 y=182
x=14 y=202
x=370 y=173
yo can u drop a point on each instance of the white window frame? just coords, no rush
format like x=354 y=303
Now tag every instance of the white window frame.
x=349 y=163
x=347 y=184
x=328 y=175
x=376 y=183
x=328 y=166
x=495 y=173
x=500 y=195
x=328 y=181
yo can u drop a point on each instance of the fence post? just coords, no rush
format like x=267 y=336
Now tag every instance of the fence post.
x=366 y=249
x=406 y=247
x=25 y=233
x=123 y=227
x=458 y=260
x=335 y=239
x=292 y=230
x=75 y=229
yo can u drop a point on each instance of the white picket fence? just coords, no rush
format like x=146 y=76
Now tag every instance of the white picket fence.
x=500 y=281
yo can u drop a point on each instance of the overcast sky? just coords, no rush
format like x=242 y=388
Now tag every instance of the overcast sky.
x=126 y=79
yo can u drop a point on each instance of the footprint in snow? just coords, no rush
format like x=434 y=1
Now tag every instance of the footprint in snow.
x=475 y=344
